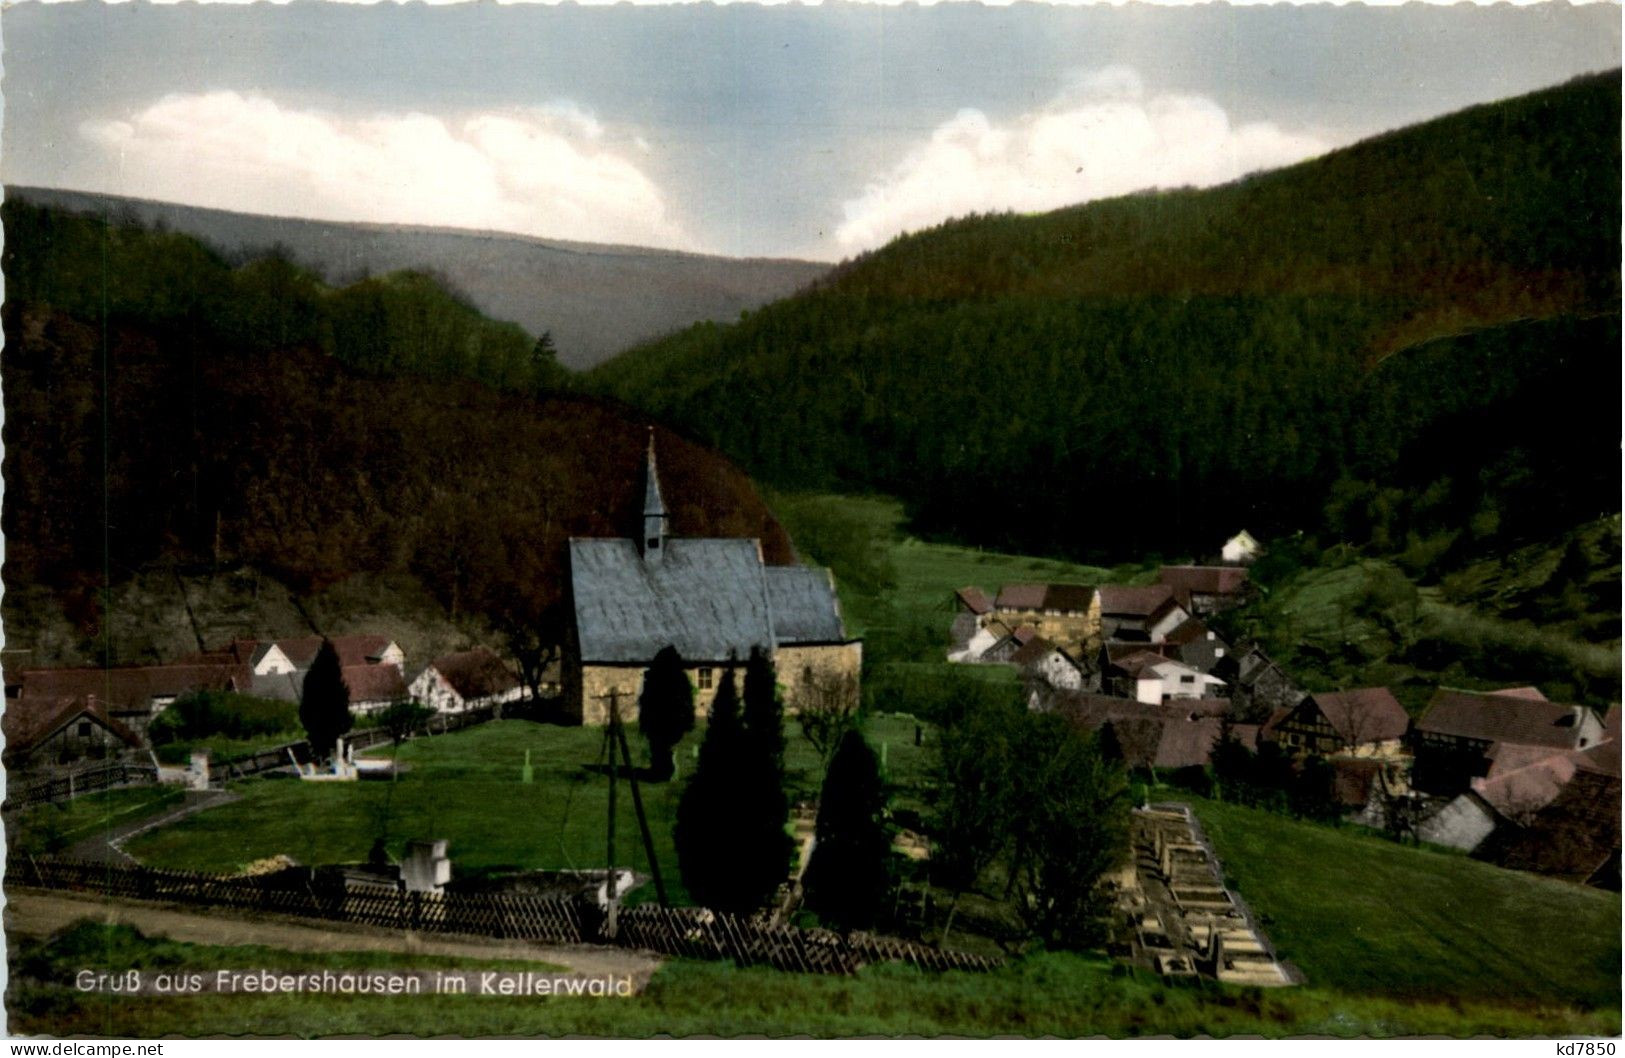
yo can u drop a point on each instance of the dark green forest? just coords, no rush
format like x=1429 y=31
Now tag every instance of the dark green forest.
x=164 y=409
x=1433 y=310
x=115 y=269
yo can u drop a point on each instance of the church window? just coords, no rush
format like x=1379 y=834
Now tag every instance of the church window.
x=705 y=679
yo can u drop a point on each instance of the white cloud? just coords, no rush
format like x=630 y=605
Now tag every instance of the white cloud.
x=548 y=172
x=1102 y=136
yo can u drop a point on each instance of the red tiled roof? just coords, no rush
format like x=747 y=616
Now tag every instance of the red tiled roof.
x=374 y=683
x=1024 y=634
x=1187 y=743
x=476 y=673
x=975 y=600
x=1495 y=717
x=1133 y=601
x=131 y=689
x=352 y=650
x=1521 y=792
x=1205 y=580
x=28 y=722
x=1367 y=714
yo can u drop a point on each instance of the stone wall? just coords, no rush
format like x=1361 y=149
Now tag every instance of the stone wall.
x=804 y=672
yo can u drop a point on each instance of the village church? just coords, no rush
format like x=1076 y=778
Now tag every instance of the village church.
x=711 y=599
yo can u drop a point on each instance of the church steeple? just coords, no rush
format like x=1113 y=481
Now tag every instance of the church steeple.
x=654 y=508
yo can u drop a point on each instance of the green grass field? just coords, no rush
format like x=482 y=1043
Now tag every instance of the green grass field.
x=1361 y=914
x=466 y=787
x=1046 y=995
x=53 y=827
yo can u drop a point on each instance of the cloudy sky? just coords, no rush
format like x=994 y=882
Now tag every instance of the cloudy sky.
x=785 y=131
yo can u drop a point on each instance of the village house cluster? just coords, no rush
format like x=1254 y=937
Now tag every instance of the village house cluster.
x=58 y=718
x=1503 y=774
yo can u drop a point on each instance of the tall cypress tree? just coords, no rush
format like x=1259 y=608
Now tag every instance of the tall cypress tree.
x=847 y=880
x=706 y=831
x=765 y=845
x=324 y=702
x=665 y=710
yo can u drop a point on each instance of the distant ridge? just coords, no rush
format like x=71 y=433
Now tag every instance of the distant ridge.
x=595 y=299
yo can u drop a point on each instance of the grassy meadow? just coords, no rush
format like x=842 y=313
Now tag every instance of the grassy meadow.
x=466 y=787
x=51 y=828
x=1044 y=995
x=1363 y=915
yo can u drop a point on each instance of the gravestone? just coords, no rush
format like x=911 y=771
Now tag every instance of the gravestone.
x=425 y=868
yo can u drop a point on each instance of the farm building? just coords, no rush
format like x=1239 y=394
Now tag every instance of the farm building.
x=710 y=599
x=1144 y=614
x=1367 y=722
x=1203 y=590
x=43 y=734
x=1462 y=732
x=132 y=695
x=467 y=679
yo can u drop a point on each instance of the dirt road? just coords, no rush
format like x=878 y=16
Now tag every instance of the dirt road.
x=36 y=913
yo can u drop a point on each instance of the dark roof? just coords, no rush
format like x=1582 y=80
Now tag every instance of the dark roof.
x=1139 y=662
x=352 y=650
x=1267 y=731
x=1032 y=650
x=1069 y=598
x=131 y=689
x=1132 y=601
x=1166 y=742
x=1116 y=650
x=1367 y=714
x=1205 y=580
x=28 y=722
x=975 y=600
x=1021 y=597
x=706 y=598
x=1494 y=717
x=476 y=673
x=804 y=605
x=1089 y=711
x=1188 y=631
x=374 y=683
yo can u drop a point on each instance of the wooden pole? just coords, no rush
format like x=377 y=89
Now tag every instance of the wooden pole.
x=643 y=821
x=609 y=869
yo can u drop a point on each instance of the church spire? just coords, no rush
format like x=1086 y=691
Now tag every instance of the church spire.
x=654 y=507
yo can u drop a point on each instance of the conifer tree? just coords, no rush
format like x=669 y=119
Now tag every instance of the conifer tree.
x=847 y=880
x=765 y=846
x=665 y=711
x=706 y=831
x=324 y=704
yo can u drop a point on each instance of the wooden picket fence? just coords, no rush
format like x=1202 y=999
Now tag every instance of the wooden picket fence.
x=686 y=932
x=84 y=781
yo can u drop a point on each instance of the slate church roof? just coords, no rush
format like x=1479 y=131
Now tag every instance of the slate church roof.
x=803 y=604
x=711 y=599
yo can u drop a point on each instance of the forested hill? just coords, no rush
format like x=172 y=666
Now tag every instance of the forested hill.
x=1156 y=370
x=179 y=431
x=594 y=299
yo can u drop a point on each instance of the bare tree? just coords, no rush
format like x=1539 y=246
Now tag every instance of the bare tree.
x=827 y=709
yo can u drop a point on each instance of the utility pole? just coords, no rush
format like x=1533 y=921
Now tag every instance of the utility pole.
x=610 y=924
